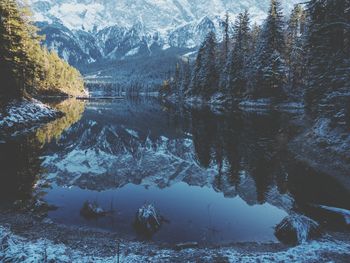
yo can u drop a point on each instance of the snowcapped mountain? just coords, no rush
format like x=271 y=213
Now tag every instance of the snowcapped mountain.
x=88 y=31
x=157 y=15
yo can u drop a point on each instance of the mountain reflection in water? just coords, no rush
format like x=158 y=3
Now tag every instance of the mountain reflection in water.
x=215 y=178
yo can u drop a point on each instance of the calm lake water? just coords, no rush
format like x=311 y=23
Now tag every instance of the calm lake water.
x=216 y=179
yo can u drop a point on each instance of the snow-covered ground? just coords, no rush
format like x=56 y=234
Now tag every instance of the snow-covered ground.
x=19 y=115
x=14 y=248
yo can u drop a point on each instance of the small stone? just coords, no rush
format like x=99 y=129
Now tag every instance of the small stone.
x=91 y=210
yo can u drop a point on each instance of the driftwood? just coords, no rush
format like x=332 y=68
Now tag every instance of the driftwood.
x=339 y=215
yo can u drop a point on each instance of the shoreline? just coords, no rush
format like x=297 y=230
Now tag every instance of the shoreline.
x=79 y=244
x=19 y=116
x=65 y=243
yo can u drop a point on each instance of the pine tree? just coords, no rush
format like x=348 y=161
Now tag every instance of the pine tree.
x=11 y=50
x=25 y=67
x=254 y=38
x=237 y=64
x=270 y=68
x=224 y=54
x=205 y=76
x=177 y=81
x=226 y=38
x=295 y=49
x=328 y=49
x=186 y=77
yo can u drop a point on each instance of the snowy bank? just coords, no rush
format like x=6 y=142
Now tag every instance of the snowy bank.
x=14 y=248
x=19 y=115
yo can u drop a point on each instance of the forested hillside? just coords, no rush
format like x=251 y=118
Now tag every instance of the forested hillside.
x=303 y=57
x=27 y=68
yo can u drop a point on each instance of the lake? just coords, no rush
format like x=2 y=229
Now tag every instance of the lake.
x=214 y=178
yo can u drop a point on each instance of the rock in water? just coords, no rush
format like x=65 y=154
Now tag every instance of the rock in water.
x=147 y=220
x=296 y=229
x=91 y=210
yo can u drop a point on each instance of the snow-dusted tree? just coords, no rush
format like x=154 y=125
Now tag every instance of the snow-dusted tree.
x=295 y=49
x=254 y=38
x=269 y=64
x=236 y=67
x=205 y=76
x=185 y=76
x=224 y=50
x=226 y=37
x=177 y=81
x=328 y=50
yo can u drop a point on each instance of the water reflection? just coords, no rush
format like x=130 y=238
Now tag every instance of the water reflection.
x=240 y=144
x=20 y=158
x=217 y=178
x=20 y=167
x=72 y=109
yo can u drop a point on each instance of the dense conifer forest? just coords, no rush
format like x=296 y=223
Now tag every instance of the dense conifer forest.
x=303 y=57
x=27 y=68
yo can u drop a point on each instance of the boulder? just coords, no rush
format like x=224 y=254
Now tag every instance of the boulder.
x=297 y=229
x=147 y=221
x=91 y=210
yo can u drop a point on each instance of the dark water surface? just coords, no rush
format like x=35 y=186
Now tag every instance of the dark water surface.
x=214 y=178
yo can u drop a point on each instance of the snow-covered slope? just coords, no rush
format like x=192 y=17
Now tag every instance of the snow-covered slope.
x=157 y=15
x=86 y=31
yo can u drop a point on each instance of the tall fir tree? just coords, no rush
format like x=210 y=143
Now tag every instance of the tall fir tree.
x=186 y=77
x=236 y=81
x=295 y=49
x=226 y=38
x=224 y=50
x=328 y=50
x=269 y=64
x=205 y=76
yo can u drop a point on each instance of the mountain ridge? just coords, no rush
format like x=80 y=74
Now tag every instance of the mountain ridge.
x=87 y=32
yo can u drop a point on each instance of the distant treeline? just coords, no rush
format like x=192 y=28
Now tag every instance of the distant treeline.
x=27 y=68
x=132 y=89
x=305 y=57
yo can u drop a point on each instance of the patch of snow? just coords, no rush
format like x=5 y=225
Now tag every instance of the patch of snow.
x=260 y=103
x=14 y=248
x=25 y=113
x=132 y=52
x=132 y=133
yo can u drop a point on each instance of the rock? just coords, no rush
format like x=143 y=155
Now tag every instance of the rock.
x=91 y=210
x=297 y=229
x=147 y=220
